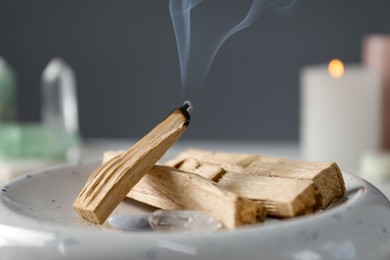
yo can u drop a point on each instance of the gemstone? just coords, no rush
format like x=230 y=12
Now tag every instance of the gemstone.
x=33 y=140
x=131 y=222
x=57 y=136
x=186 y=221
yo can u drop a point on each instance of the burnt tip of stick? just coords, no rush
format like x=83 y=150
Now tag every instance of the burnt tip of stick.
x=186 y=108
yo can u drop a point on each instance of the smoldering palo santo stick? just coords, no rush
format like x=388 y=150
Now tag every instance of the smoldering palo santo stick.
x=114 y=179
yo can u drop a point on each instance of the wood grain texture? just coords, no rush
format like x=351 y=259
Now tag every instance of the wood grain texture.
x=286 y=188
x=114 y=179
x=282 y=197
x=171 y=189
x=208 y=171
x=326 y=176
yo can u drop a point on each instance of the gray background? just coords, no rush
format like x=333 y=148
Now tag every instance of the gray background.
x=125 y=58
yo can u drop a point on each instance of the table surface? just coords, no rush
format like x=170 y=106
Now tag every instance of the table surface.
x=93 y=148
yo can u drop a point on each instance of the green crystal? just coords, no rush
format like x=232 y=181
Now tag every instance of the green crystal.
x=7 y=92
x=35 y=141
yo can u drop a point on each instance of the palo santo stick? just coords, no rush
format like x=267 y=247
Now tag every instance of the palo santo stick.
x=208 y=171
x=326 y=176
x=170 y=189
x=113 y=180
x=282 y=197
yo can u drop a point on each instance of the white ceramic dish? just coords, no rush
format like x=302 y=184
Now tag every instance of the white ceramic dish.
x=37 y=221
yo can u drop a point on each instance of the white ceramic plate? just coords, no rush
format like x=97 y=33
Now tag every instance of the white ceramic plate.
x=37 y=221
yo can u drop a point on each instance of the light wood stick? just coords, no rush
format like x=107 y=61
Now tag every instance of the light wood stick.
x=282 y=197
x=113 y=180
x=208 y=171
x=326 y=175
x=171 y=189
x=226 y=161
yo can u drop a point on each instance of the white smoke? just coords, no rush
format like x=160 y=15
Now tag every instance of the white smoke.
x=197 y=54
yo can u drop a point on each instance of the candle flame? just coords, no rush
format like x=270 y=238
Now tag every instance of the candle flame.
x=336 y=68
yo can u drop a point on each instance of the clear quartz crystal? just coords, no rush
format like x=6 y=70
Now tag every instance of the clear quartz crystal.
x=59 y=105
x=183 y=221
x=59 y=100
x=130 y=222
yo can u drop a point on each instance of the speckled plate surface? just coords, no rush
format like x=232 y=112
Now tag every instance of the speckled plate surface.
x=37 y=221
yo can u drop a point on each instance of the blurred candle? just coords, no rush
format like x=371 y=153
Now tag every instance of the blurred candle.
x=339 y=113
x=376 y=56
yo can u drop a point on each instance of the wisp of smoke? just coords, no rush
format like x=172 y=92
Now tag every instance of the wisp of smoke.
x=196 y=57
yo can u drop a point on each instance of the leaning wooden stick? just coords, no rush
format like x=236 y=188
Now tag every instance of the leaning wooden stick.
x=113 y=180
